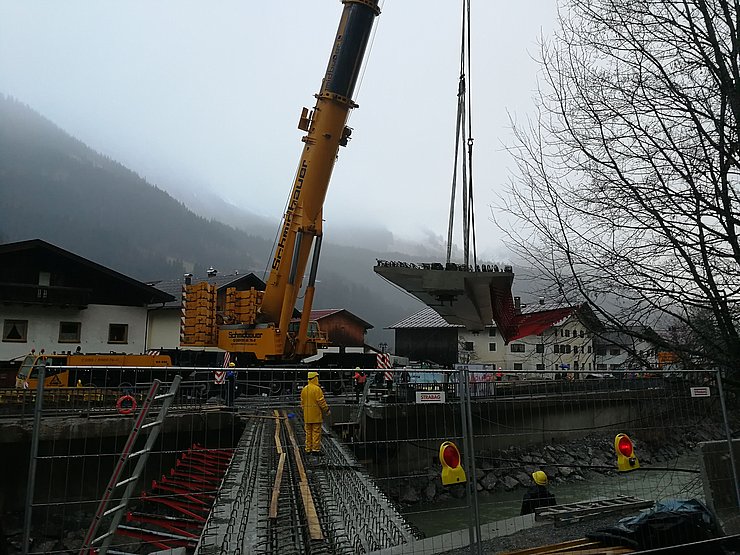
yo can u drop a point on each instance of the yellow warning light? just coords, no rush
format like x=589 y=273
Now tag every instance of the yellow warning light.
x=452 y=471
x=626 y=458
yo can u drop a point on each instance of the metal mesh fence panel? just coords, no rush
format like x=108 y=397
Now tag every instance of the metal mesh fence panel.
x=232 y=475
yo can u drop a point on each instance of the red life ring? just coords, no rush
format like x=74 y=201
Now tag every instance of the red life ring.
x=126 y=410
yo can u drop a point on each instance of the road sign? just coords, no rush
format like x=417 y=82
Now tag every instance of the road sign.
x=700 y=392
x=423 y=397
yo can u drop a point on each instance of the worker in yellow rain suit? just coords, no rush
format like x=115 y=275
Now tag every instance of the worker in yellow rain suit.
x=314 y=407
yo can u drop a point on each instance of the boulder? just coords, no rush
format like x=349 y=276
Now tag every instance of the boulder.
x=430 y=491
x=409 y=495
x=489 y=481
x=509 y=483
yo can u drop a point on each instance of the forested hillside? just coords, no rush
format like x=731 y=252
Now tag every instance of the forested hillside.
x=56 y=188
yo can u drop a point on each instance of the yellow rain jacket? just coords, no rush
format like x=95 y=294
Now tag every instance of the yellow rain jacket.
x=313 y=402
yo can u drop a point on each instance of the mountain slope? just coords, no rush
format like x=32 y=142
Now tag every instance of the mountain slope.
x=55 y=188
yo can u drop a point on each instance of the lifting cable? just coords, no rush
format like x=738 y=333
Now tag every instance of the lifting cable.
x=464 y=137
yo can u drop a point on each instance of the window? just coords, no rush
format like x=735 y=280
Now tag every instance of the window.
x=517 y=347
x=556 y=348
x=614 y=351
x=601 y=367
x=540 y=348
x=575 y=349
x=15 y=331
x=517 y=366
x=589 y=348
x=491 y=346
x=562 y=333
x=491 y=332
x=69 y=332
x=540 y=367
x=565 y=348
x=575 y=366
x=581 y=333
x=118 y=333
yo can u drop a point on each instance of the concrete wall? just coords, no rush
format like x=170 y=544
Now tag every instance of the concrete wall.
x=43 y=328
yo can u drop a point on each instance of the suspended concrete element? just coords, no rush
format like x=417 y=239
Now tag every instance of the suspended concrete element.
x=474 y=299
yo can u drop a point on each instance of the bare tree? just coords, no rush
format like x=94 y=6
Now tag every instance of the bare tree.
x=627 y=188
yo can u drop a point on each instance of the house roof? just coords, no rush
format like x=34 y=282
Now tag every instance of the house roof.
x=532 y=320
x=323 y=313
x=174 y=286
x=425 y=318
x=126 y=286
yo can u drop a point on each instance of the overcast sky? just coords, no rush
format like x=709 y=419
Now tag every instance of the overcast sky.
x=208 y=95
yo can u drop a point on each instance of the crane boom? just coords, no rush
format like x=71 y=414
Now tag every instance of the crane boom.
x=257 y=323
x=327 y=131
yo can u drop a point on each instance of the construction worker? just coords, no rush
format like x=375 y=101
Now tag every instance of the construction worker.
x=537 y=495
x=314 y=407
x=231 y=384
x=360 y=379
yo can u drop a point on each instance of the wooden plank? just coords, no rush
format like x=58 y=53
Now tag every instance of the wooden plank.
x=276 y=486
x=549 y=548
x=278 y=443
x=573 y=547
x=314 y=526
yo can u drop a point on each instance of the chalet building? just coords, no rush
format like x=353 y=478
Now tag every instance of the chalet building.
x=343 y=328
x=426 y=336
x=561 y=340
x=620 y=352
x=55 y=300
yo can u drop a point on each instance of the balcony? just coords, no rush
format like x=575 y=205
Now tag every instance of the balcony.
x=44 y=295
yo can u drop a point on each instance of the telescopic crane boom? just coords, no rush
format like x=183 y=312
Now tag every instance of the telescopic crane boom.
x=253 y=322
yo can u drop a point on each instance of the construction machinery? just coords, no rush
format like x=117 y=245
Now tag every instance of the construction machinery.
x=101 y=370
x=256 y=325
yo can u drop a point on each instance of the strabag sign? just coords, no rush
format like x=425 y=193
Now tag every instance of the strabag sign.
x=424 y=397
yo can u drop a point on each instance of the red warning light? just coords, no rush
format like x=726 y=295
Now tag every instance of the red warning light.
x=451 y=456
x=624 y=445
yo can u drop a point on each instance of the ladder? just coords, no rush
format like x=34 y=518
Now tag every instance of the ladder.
x=128 y=455
x=591 y=509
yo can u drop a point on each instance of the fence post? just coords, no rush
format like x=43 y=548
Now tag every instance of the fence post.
x=469 y=449
x=30 y=487
x=728 y=433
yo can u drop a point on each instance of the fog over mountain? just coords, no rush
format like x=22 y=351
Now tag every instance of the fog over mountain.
x=56 y=188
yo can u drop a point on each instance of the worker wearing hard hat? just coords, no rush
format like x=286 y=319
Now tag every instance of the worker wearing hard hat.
x=537 y=495
x=231 y=384
x=314 y=407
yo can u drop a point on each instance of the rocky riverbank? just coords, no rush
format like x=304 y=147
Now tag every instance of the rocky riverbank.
x=572 y=461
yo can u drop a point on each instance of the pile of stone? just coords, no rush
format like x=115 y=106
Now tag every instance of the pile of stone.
x=572 y=461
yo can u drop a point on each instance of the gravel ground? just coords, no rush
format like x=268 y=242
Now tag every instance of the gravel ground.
x=541 y=535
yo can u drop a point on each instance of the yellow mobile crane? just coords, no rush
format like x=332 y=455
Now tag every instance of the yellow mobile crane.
x=257 y=323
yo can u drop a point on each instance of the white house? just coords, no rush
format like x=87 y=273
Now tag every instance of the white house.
x=55 y=300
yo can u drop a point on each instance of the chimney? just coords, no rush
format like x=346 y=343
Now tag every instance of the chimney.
x=188 y=279
x=542 y=300
x=517 y=302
